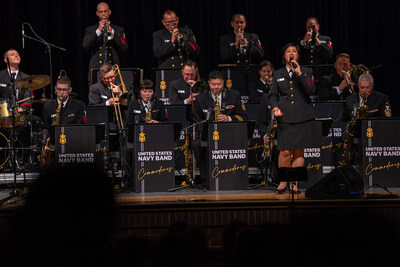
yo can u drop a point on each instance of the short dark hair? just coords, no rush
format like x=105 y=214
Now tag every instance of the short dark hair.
x=215 y=74
x=64 y=80
x=286 y=47
x=106 y=67
x=343 y=55
x=312 y=18
x=169 y=12
x=146 y=84
x=238 y=14
x=5 y=53
x=266 y=63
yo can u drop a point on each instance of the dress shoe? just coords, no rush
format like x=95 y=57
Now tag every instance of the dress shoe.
x=280 y=191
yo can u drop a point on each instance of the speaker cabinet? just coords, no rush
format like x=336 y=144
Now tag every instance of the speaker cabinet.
x=342 y=182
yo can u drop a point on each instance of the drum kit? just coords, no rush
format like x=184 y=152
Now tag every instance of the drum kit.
x=15 y=124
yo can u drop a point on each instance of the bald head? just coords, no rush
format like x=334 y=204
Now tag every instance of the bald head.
x=103 y=11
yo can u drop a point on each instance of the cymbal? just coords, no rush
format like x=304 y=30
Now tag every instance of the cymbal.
x=33 y=82
x=41 y=101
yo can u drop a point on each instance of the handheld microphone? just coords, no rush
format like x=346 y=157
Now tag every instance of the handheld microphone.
x=293 y=64
x=23 y=37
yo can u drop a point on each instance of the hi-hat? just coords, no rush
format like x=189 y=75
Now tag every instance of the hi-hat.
x=33 y=82
x=41 y=101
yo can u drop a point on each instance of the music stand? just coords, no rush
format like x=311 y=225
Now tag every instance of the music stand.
x=292 y=175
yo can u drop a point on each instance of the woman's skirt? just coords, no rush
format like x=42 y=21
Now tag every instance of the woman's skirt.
x=300 y=135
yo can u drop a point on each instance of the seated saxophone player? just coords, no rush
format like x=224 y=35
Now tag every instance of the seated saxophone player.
x=338 y=85
x=105 y=92
x=63 y=109
x=378 y=103
x=219 y=105
x=181 y=90
x=146 y=109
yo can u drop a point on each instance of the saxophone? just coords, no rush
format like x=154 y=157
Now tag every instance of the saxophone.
x=361 y=113
x=50 y=152
x=217 y=110
x=269 y=146
x=148 y=113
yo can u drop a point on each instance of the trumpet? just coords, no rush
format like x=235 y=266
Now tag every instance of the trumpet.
x=242 y=42
x=109 y=34
x=179 y=38
x=347 y=76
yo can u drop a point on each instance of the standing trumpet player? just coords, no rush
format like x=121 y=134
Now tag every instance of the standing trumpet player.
x=173 y=45
x=240 y=47
x=104 y=40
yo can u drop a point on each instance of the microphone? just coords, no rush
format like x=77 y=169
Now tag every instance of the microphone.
x=23 y=37
x=293 y=64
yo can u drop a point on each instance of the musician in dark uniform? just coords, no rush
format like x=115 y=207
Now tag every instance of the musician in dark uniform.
x=104 y=40
x=72 y=110
x=229 y=104
x=314 y=47
x=138 y=110
x=173 y=45
x=101 y=93
x=290 y=102
x=229 y=101
x=378 y=103
x=14 y=60
x=262 y=85
x=337 y=86
x=180 y=90
x=240 y=47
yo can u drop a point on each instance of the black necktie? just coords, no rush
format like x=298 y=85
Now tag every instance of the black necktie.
x=13 y=74
x=291 y=73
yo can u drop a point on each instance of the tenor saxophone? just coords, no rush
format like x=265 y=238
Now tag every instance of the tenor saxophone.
x=188 y=158
x=361 y=113
x=49 y=151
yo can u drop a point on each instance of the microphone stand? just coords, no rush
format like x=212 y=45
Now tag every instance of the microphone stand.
x=191 y=183
x=48 y=47
x=15 y=191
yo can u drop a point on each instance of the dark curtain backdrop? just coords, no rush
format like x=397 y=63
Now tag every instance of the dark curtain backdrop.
x=364 y=28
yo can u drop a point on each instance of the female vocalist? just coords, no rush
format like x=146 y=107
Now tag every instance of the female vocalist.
x=138 y=110
x=289 y=99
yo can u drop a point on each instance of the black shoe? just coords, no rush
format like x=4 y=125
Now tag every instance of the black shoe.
x=280 y=191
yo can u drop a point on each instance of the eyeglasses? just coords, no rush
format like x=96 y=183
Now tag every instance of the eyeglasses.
x=189 y=74
x=108 y=78
x=62 y=89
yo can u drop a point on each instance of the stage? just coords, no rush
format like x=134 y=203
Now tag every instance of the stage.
x=151 y=214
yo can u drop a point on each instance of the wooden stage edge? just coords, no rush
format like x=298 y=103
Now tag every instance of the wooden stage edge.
x=256 y=199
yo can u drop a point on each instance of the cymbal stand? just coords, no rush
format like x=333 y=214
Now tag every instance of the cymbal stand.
x=48 y=47
x=13 y=105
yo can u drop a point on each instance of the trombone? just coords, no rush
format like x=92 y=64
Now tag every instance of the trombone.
x=123 y=99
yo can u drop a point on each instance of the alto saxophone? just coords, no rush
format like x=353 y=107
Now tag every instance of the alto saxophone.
x=361 y=113
x=148 y=113
x=217 y=109
x=49 y=151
